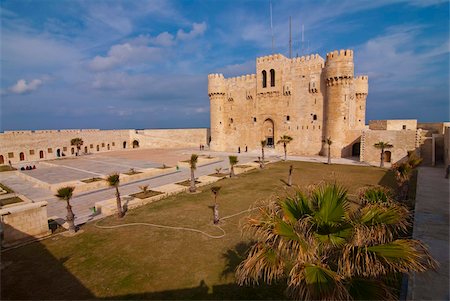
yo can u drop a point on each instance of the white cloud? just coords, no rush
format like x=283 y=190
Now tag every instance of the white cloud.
x=126 y=54
x=22 y=87
x=197 y=30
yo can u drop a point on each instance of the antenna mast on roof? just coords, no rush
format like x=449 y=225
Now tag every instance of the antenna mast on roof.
x=290 y=38
x=271 y=25
x=303 y=38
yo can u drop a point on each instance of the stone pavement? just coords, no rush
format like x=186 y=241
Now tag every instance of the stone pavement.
x=431 y=226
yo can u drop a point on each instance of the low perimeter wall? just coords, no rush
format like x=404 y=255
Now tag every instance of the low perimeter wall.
x=23 y=222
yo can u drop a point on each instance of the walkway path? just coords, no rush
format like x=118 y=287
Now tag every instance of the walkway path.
x=431 y=226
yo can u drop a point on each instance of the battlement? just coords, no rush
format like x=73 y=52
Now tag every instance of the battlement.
x=216 y=84
x=343 y=54
x=215 y=75
x=243 y=78
x=361 y=84
x=28 y=132
x=270 y=58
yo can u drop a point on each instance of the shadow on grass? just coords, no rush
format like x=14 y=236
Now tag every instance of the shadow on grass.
x=33 y=273
x=215 y=292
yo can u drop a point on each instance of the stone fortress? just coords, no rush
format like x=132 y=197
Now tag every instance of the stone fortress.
x=311 y=99
x=306 y=98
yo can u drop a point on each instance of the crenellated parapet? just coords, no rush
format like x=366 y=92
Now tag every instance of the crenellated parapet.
x=361 y=86
x=313 y=61
x=216 y=84
x=250 y=78
x=270 y=58
x=339 y=66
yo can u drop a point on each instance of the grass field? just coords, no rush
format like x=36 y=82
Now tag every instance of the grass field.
x=140 y=262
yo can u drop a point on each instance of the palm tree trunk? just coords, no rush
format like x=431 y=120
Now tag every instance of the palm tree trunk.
x=290 y=176
x=382 y=158
x=262 y=162
x=192 y=188
x=329 y=154
x=70 y=218
x=232 y=171
x=216 y=211
x=119 y=203
x=285 y=151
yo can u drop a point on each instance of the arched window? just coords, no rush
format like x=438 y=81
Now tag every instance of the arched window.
x=272 y=78
x=264 y=79
x=22 y=156
x=41 y=154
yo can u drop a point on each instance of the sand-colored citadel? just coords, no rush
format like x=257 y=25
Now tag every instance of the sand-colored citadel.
x=308 y=98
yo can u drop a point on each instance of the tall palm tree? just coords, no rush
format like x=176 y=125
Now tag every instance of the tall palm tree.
x=65 y=194
x=215 y=190
x=233 y=161
x=78 y=142
x=263 y=145
x=327 y=249
x=114 y=181
x=328 y=141
x=193 y=165
x=382 y=146
x=285 y=140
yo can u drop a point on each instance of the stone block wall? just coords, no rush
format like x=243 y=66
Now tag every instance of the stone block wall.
x=24 y=222
x=403 y=141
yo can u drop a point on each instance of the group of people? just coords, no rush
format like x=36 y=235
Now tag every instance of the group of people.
x=202 y=147
x=28 y=167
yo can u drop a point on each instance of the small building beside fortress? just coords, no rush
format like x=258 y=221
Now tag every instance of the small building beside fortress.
x=307 y=98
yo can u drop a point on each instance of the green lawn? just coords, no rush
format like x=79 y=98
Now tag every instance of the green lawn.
x=9 y=201
x=6 y=168
x=151 y=263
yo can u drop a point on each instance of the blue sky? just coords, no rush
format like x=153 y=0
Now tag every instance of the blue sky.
x=144 y=64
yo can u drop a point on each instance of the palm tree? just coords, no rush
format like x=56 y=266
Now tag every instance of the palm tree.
x=193 y=165
x=404 y=172
x=65 y=194
x=233 y=161
x=285 y=139
x=290 y=175
x=382 y=146
x=218 y=170
x=114 y=181
x=78 y=142
x=328 y=141
x=263 y=145
x=327 y=249
x=215 y=190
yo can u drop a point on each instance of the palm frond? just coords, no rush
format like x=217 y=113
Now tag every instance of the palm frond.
x=65 y=193
x=113 y=179
x=193 y=161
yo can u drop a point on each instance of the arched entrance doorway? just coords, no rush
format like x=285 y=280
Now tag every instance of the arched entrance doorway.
x=108 y=147
x=58 y=153
x=268 y=132
x=356 y=149
x=41 y=154
x=22 y=156
x=98 y=148
x=387 y=156
x=2 y=159
x=135 y=144
x=124 y=144
x=85 y=149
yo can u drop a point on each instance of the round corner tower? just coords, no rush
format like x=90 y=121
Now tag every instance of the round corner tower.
x=216 y=92
x=340 y=92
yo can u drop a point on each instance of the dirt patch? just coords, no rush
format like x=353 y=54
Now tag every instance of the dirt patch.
x=187 y=183
x=91 y=180
x=158 y=155
x=10 y=201
x=219 y=175
x=146 y=194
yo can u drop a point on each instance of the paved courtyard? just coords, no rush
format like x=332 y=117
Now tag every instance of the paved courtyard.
x=431 y=226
